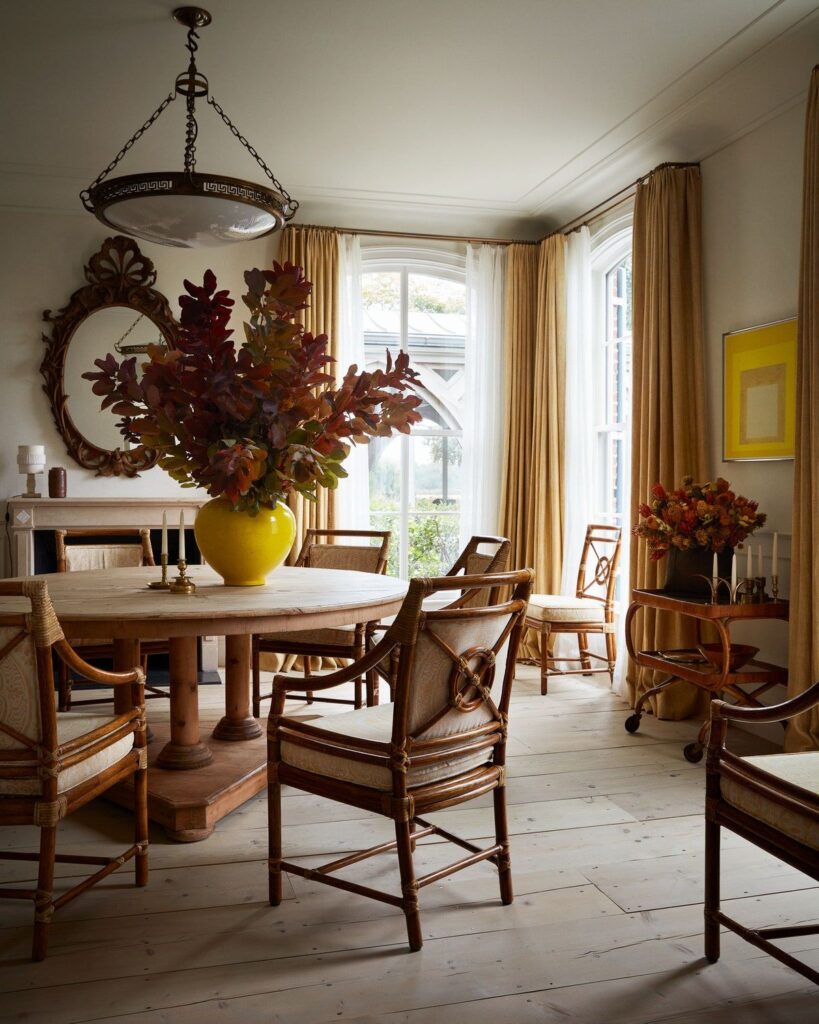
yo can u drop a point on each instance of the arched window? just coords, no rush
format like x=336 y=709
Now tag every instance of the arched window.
x=415 y=299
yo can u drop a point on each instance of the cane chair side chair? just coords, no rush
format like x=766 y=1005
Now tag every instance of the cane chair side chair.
x=112 y=549
x=324 y=549
x=589 y=612
x=474 y=560
x=50 y=764
x=772 y=801
x=441 y=742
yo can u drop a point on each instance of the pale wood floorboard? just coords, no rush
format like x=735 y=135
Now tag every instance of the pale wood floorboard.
x=606 y=926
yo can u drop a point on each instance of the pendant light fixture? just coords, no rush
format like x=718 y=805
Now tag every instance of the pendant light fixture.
x=189 y=208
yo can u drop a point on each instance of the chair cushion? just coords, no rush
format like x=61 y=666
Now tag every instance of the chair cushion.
x=69 y=727
x=338 y=636
x=558 y=608
x=801 y=770
x=371 y=724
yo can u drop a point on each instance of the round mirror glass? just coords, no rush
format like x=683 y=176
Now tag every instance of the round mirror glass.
x=117 y=329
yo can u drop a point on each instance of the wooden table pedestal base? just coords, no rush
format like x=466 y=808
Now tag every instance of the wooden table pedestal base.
x=188 y=804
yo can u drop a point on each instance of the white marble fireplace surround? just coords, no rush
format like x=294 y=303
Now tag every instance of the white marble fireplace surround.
x=25 y=516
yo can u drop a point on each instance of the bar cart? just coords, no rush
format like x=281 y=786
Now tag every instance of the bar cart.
x=742 y=685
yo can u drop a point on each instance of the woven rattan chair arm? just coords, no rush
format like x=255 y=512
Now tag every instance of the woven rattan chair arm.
x=96 y=675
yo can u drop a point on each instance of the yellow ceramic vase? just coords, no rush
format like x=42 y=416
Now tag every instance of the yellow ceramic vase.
x=243 y=548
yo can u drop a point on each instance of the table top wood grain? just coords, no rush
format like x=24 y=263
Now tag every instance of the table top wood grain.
x=116 y=603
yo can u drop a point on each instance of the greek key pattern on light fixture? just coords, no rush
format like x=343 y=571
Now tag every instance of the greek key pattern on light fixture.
x=236 y=191
x=137 y=187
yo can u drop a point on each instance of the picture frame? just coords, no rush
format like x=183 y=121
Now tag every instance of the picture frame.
x=759 y=392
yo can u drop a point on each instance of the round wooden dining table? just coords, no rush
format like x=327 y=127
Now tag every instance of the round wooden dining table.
x=193 y=782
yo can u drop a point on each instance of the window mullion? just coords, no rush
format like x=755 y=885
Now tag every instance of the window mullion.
x=406 y=469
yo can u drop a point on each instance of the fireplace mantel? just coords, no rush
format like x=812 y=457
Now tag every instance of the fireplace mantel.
x=26 y=515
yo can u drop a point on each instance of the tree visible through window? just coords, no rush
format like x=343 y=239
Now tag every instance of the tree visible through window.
x=415 y=482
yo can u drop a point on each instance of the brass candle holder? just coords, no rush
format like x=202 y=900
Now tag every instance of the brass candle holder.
x=775 y=587
x=183 y=584
x=163 y=583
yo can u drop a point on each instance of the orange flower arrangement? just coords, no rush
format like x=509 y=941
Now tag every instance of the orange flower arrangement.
x=709 y=516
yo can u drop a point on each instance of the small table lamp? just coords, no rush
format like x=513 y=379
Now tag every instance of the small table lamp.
x=31 y=460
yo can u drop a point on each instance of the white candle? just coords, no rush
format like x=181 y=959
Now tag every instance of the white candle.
x=775 y=555
x=750 y=569
x=733 y=572
x=714 y=568
x=759 y=567
x=181 y=536
x=164 y=535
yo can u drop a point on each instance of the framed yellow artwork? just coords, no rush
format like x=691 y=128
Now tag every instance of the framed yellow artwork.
x=759 y=392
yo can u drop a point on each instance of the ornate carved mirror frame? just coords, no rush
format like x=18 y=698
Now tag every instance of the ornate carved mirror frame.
x=118 y=275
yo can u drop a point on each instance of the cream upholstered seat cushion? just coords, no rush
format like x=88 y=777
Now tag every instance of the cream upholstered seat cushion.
x=800 y=769
x=558 y=608
x=369 y=724
x=70 y=726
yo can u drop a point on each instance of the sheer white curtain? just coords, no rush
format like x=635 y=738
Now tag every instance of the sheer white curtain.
x=353 y=494
x=483 y=390
x=580 y=492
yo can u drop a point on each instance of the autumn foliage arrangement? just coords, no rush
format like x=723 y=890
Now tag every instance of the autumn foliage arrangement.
x=254 y=423
x=709 y=516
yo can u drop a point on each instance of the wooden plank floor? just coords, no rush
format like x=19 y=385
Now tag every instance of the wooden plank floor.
x=606 y=926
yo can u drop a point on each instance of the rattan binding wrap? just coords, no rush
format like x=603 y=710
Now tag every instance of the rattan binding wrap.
x=42 y=623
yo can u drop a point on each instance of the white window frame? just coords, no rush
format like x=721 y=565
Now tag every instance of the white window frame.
x=405 y=260
x=610 y=244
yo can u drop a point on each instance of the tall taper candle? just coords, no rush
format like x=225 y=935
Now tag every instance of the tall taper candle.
x=775 y=555
x=181 y=536
x=750 y=569
x=164 y=551
x=733 y=572
x=714 y=568
x=760 y=571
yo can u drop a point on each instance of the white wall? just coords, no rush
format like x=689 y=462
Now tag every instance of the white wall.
x=752 y=193
x=41 y=264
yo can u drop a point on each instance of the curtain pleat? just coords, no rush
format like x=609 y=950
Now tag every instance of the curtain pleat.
x=535 y=359
x=803 y=646
x=668 y=404
x=315 y=249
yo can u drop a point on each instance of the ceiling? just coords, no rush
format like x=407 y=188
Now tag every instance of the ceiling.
x=498 y=117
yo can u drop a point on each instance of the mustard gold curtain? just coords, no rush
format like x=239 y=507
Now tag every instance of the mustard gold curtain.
x=315 y=249
x=668 y=437
x=535 y=359
x=803 y=647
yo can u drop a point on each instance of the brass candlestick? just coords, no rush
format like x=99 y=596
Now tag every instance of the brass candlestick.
x=163 y=583
x=183 y=584
x=745 y=591
x=775 y=587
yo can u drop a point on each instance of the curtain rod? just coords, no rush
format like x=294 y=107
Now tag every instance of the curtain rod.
x=419 y=234
x=581 y=220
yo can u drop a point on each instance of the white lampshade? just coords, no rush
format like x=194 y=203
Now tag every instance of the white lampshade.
x=31 y=458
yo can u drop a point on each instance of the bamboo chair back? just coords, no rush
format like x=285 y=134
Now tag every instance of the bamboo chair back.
x=474 y=562
x=330 y=554
x=456 y=666
x=28 y=725
x=102 y=555
x=600 y=564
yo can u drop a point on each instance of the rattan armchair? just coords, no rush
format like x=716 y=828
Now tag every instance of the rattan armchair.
x=324 y=549
x=50 y=764
x=772 y=801
x=442 y=741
